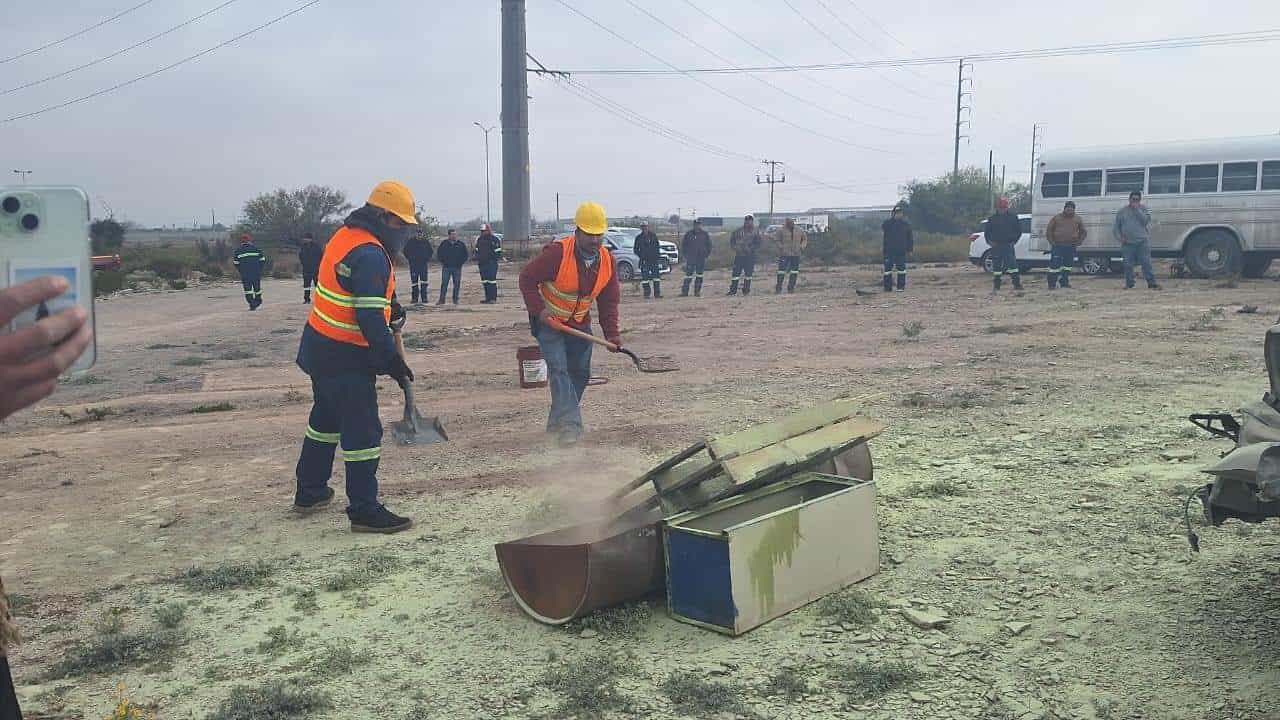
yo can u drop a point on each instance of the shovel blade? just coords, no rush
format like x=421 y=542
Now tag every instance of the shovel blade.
x=419 y=430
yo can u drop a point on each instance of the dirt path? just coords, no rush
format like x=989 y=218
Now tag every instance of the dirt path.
x=1031 y=488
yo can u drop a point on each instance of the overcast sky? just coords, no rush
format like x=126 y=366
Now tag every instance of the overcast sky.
x=347 y=93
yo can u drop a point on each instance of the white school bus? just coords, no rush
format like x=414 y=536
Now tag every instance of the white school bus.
x=1214 y=203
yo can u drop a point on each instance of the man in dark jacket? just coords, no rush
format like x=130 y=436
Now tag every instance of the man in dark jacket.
x=250 y=261
x=898 y=243
x=488 y=253
x=309 y=254
x=745 y=242
x=696 y=248
x=1002 y=233
x=452 y=255
x=346 y=344
x=418 y=252
x=649 y=251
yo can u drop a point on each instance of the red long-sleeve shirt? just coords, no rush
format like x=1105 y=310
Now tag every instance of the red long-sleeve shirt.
x=546 y=266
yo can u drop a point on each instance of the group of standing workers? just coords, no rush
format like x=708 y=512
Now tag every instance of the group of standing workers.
x=746 y=242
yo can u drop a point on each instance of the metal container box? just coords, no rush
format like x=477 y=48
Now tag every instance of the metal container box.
x=741 y=562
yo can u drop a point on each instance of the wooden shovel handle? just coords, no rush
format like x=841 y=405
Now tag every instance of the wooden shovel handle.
x=579 y=334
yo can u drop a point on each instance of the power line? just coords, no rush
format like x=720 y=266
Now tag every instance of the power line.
x=118 y=53
x=862 y=37
x=757 y=78
x=717 y=90
x=841 y=48
x=1118 y=48
x=830 y=88
x=153 y=73
x=76 y=34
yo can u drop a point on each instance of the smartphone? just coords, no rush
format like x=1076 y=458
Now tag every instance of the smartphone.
x=45 y=231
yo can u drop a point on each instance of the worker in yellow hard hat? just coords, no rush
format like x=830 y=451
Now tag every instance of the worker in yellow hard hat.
x=558 y=287
x=346 y=344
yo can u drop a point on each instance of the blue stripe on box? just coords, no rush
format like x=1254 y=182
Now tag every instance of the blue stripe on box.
x=698 y=582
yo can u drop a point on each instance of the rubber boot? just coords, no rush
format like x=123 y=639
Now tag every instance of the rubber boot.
x=1065 y=281
x=746 y=287
x=1017 y=281
x=697 y=287
x=888 y=282
x=647 y=290
x=791 y=282
x=778 y=290
x=306 y=297
x=902 y=281
x=995 y=284
x=1053 y=280
x=684 y=288
x=657 y=289
x=733 y=287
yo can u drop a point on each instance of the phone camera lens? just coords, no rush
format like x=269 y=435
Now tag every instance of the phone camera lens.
x=11 y=204
x=30 y=221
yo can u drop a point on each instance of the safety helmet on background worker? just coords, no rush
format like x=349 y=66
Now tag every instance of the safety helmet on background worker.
x=1003 y=203
x=591 y=219
x=396 y=199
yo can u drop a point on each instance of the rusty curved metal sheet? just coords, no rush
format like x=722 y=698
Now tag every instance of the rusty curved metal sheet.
x=568 y=573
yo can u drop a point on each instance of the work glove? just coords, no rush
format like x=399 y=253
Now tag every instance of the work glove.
x=616 y=342
x=400 y=370
x=398 y=316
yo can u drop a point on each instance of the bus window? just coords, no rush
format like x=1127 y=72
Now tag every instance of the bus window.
x=1239 y=176
x=1165 y=180
x=1123 y=182
x=1086 y=183
x=1202 y=178
x=1271 y=175
x=1055 y=184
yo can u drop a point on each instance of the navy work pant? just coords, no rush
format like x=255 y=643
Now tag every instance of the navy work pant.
x=9 y=709
x=489 y=278
x=568 y=370
x=252 y=290
x=651 y=278
x=895 y=263
x=1004 y=261
x=418 y=280
x=693 y=274
x=788 y=269
x=744 y=269
x=1062 y=259
x=345 y=411
x=447 y=274
x=308 y=280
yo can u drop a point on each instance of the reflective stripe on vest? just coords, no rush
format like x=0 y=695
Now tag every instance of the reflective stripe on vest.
x=333 y=312
x=561 y=296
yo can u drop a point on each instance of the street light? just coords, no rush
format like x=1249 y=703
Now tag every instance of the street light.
x=24 y=174
x=488 y=216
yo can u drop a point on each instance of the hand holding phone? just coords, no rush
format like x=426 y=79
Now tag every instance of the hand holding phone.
x=32 y=358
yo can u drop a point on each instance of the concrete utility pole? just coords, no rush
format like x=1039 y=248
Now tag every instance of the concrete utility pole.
x=991 y=167
x=557 y=213
x=960 y=108
x=1002 y=168
x=24 y=174
x=515 y=124
x=488 y=213
x=771 y=180
x=1036 y=137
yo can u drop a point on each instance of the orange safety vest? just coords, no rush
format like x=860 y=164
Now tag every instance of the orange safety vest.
x=333 y=312
x=561 y=295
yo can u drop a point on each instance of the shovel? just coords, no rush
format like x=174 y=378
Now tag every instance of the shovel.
x=414 y=429
x=654 y=364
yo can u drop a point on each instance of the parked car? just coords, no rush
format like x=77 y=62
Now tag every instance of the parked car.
x=623 y=247
x=666 y=248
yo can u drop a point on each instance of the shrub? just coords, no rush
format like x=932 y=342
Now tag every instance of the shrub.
x=170 y=615
x=170 y=263
x=111 y=648
x=696 y=697
x=912 y=329
x=227 y=576
x=212 y=408
x=177 y=284
x=852 y=607
x=279 y=640
x=274 y=700
x=867 y=681
x=364 y=572
x=587 y=686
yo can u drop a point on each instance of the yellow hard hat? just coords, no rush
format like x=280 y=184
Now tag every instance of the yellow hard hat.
x=591 y=219
x=395 y=198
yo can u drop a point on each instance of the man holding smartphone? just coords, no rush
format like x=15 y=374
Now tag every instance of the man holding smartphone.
x=31 y=360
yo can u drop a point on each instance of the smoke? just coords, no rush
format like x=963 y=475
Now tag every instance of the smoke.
x=577 y=484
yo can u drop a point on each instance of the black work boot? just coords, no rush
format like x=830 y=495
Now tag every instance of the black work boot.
x=1065 y=280
x=791 y=283
x=995 y=283
x=902 y=281
x=313 y=507
x=657 y=289
x=306 y=297
x=888 y=282
x=697 y=287
x=379 y=520
x=746 y=287
x=733 y=287
x=647 y=290
x=1017 y=281
x=778 y=290
x=684 y=288
x=1053 y=281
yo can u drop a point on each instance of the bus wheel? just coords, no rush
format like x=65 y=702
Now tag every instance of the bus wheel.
x=1212 y=253
x=1255 y=266
x=1093 y=265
